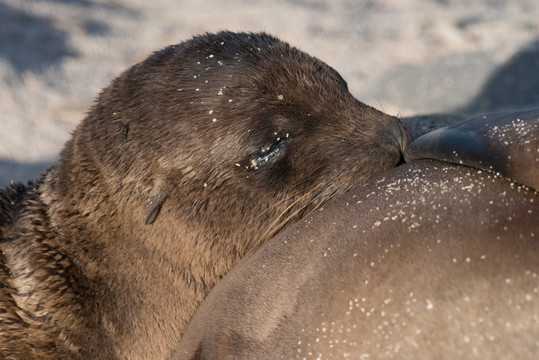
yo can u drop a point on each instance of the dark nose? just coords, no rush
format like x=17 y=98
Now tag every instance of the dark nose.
x=396 y=134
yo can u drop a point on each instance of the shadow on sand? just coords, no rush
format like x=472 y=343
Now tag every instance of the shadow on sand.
x=513 y=85
x=38 y=47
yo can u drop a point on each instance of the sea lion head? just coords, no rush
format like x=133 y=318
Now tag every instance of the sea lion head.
x=234 y=132
x=237 y=125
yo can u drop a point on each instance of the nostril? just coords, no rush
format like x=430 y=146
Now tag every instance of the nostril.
x=405 y=136
x=401 y=160
x=396 y=135
x=405 y=140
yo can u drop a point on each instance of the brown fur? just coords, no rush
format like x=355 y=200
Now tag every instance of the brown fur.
x=186 y=155
x=427 y=261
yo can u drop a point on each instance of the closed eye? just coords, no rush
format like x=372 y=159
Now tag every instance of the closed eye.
x=269 y=153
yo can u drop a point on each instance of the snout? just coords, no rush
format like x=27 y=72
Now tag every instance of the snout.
x=395 y=135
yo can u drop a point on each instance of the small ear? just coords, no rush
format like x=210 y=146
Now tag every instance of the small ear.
x=506 y=143
x=158 y=195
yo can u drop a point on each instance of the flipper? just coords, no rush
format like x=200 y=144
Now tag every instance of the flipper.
x=506 y=143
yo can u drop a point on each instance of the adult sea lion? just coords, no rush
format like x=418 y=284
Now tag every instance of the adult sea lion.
x=187 y=161
x=426 y=261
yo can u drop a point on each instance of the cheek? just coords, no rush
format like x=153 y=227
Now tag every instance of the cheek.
x=273 y=178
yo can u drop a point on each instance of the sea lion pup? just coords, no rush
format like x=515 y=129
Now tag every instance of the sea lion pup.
x=428 y=261
x=205 y=144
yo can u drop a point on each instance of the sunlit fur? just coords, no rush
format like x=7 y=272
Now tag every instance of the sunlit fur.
x=109 y=254
x=427 y=261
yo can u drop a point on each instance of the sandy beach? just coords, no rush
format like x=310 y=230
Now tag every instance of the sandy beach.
x=405 y=57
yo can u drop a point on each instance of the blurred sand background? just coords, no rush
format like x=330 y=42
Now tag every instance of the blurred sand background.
x=405 y=57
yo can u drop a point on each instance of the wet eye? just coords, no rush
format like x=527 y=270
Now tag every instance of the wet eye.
x=270 y=152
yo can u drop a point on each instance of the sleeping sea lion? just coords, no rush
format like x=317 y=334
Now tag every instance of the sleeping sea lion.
x=427 y=261
x=187 y=161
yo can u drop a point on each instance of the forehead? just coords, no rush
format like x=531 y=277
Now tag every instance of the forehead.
x=256 y=60
x=222 y=79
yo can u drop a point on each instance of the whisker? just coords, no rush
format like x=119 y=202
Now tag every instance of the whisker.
x=279 y=221
x=319 y=198
x=296 y=194
x=277 y=226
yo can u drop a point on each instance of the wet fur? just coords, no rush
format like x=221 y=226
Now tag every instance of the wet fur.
x=110 y=252
x=427 y=261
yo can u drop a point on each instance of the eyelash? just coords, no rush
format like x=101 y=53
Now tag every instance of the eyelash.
x=269 y=152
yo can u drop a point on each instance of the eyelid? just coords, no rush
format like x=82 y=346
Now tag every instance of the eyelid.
x=269 y=152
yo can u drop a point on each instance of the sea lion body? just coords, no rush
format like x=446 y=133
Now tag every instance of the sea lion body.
x=506 y=142
x=427 y=261
x=222 y=138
